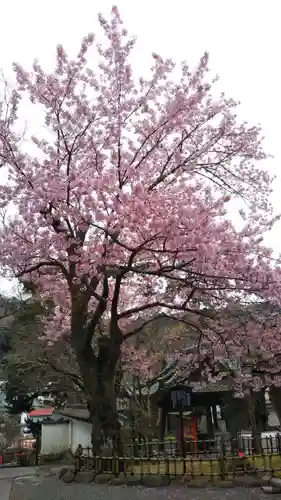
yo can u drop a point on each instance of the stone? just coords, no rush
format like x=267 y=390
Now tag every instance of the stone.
x=270 y=489
x=275 y=482
x=86 y=476
x=118 y=480
x=225 y=484
x=103 y=478
x=133 y=480
x=198 y=482
x=60 y=472
x=69 y=457
x=183 y=480
x=155 y=480
x=69 y=476
x=56 y=471
x=247 y=481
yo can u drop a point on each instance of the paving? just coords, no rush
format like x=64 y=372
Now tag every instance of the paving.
x=5 y=489
x=8 y=475
x=28 y=484
x=50 y=488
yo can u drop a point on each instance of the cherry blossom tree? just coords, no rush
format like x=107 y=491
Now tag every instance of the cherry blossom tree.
x=120 y=204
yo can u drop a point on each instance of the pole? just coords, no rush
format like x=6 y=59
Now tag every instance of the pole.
x=37 y=448
x=182 y=441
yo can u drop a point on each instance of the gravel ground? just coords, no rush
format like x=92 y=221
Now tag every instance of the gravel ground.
x=51 y=489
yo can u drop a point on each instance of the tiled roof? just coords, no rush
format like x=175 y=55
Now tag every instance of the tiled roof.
x=81 y=413
x=214 y=387
x=76 y=413
x=41 y=412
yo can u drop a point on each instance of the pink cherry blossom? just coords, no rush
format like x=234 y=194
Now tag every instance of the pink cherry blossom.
x=122 y=214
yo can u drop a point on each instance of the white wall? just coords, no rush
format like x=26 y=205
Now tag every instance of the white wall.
x=55 y=438
x=80 y=434
x=273 y=420
x=60 y=437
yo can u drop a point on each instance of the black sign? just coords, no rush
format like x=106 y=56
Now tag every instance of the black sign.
x=177 y=399
x=180 y=400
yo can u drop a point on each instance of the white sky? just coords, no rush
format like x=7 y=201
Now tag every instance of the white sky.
x=241 y=36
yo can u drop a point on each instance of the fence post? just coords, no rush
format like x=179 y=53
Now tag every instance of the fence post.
x=222 y=458
x=37 y=445
x=182 y=442
x=278 y=443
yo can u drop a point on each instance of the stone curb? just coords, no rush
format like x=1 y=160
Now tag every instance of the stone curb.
x=68 y=475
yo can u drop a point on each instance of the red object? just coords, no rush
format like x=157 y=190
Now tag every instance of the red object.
x=41 y=412
x=189 y=431
x=1 y=460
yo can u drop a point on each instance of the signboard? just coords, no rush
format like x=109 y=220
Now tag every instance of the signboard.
x=189 y=432
x=189 y=429
x=180 y=400
x=177 y=399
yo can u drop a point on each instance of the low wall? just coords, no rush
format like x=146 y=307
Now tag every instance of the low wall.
x=55 y=438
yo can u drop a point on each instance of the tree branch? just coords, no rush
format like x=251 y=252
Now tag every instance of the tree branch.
x=164 y=305
x=59 y=369
x=100 y=309
x=157 y=317
x=47 y=263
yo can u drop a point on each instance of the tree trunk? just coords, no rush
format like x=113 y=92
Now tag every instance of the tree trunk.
x=254 y=424
x=235 y=414
x=98 y=374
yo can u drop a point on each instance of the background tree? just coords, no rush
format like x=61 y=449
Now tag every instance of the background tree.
x=9 y=306
x=9 y=430
x=122 y=204
x=33 y=368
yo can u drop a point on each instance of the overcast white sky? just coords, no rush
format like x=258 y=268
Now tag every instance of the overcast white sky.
x=241 y=36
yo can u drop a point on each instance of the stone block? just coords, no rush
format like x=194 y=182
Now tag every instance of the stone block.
x=276 y=482
x=103 y=478
x=85 y=476
x=270 y=489
x=62 y=471
x=118 y=480
x=266 y=480
x=198 y=482
x=247 y=481
x=69 y=476
x=155 y=480
x=133 y=480
x=225 y=484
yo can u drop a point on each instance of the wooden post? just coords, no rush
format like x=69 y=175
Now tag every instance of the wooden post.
x=163 y=421
x=215 y=417
x=182 y=442
x=210 y=427
x=37 y=448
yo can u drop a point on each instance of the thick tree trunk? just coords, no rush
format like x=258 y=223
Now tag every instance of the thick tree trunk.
x=104 y=417
x=236 y=415
x=98 y=373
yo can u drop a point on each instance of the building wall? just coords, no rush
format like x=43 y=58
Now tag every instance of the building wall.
x=2 y=399
x=55 y=438
x=80 y=434
x=273 y=420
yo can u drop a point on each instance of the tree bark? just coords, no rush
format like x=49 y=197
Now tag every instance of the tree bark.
x=236 y=415
x=98 y=373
